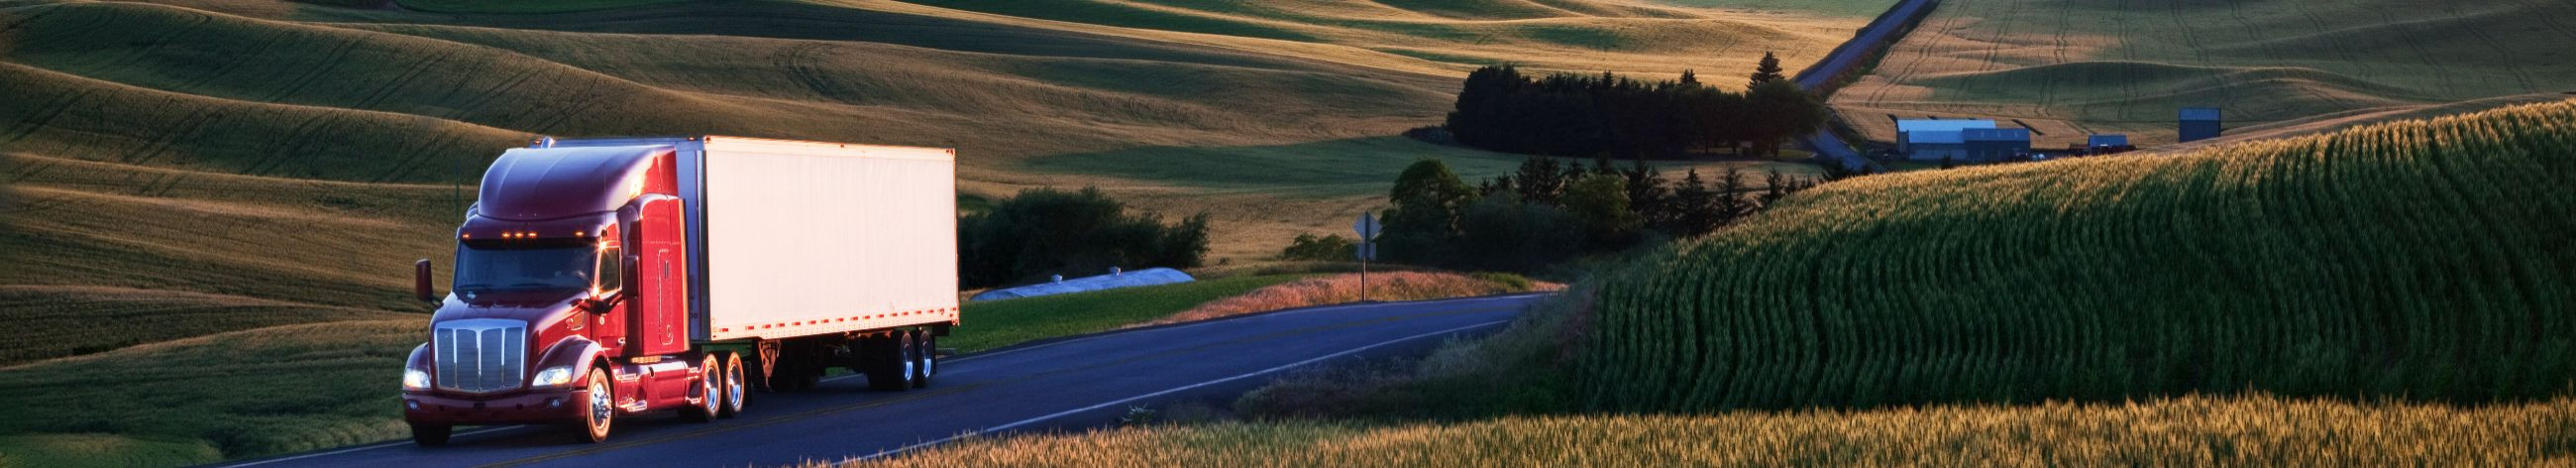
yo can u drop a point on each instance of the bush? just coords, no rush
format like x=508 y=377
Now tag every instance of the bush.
x=1327 y=248
x=1047 y=231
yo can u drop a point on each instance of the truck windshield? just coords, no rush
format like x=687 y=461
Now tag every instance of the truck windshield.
x=481 y=270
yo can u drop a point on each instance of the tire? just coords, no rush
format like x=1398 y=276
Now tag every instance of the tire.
x=732 y=385
x=710 y=391
x=599 y=414
x=925 y=353
x=888 y=363
x=431 y=435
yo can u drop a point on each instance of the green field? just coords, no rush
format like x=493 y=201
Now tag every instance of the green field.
x=2421 y=260
x=993 y=324
x=1337 y=169
x=2073 y=68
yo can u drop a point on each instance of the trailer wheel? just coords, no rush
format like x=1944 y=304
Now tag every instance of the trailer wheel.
x=732 y=386
x=925 y=351
x=888 y=362
x=710 y=391
x=601 y=409
x=430 y=435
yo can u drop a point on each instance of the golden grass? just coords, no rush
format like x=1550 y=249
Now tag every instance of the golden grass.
x=2072 y=68
x=1346 y=288
x=1450 y=37
x=2186 y=431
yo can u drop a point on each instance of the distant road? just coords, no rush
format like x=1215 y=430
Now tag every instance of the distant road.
x=1886 y=30
x=1075 y=383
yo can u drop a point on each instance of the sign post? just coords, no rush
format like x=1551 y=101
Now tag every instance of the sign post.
x=1367 y=228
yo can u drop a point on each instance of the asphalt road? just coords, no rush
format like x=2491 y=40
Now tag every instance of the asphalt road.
x=1884 y=31
x=1076 y=383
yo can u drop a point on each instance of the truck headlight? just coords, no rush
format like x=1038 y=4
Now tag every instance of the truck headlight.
x=552 y=377
x=414 y=379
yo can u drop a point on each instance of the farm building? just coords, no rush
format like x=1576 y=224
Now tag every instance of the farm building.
x=2200 y=123
x=2106 y=141
x=1995 y=144
x=1938 y=139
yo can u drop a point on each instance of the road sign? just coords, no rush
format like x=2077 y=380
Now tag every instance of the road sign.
x=1368 y=251
x=1367 y=226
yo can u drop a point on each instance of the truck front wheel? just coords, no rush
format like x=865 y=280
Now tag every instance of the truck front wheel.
x=430 y=435
x=602 y=409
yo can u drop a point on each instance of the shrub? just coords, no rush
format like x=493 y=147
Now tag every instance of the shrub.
x=1328 y=248
x=1046 y=231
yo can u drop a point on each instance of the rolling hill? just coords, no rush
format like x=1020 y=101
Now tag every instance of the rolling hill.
x=226 y=194
x=2072 y=68
x=2391 y=294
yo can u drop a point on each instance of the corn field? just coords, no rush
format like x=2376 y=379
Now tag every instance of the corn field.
x=2423 y=260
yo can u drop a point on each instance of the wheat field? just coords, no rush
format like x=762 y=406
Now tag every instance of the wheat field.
x=2068 y=69
x=2190 y=431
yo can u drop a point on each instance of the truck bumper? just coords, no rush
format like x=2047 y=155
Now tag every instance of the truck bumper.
x=529 y=407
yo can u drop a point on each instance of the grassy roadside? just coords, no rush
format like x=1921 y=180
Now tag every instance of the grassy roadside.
x=994 y=324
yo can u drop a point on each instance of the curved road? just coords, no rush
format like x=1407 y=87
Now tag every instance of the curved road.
x=1885 y=30
x=1075 y=383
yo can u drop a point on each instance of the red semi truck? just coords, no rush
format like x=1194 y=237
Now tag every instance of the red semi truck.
x=618 y=276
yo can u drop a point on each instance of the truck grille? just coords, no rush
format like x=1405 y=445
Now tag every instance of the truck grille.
x=480 y=355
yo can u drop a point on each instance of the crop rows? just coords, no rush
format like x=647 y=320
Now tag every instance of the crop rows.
x=2424 y=260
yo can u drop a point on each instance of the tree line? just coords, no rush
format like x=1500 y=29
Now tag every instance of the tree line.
x=1607 y=115
x=1546 y=212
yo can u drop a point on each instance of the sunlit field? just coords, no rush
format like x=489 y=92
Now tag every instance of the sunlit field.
x=2195 y=431
x=2068 y=69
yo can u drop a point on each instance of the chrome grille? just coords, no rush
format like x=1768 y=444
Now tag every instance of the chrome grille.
x=480 y=355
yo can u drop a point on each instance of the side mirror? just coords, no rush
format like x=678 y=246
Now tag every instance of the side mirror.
x=420 y=281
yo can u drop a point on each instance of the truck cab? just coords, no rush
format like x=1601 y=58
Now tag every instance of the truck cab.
x=567 y=273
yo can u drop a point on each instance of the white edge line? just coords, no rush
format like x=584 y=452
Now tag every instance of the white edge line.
x=379 y=445
x=1183 y=388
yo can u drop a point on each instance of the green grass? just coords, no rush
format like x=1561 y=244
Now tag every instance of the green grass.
x=1337 y=168
x=2418 y=261
x=993 y=324
x=200 y=401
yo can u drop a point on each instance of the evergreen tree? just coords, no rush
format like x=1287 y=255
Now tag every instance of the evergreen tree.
x=1689 y=79
x=1538 y=181
x=1693 y=209
x=1767 y=71
x=1729 y=203
x=1775 y=187
x=1647 y=194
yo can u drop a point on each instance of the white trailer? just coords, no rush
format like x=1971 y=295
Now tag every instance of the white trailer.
x=794 y=239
